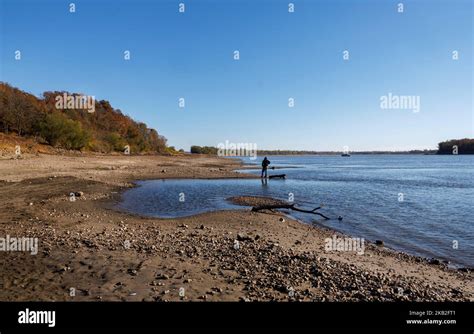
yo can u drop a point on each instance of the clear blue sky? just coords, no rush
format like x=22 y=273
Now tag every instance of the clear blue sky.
x=283 y=55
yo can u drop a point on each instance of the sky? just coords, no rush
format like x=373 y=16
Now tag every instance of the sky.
x=283 y=55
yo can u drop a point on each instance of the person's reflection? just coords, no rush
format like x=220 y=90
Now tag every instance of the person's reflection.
x=264 y=181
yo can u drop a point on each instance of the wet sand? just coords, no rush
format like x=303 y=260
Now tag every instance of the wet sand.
x=90 y=251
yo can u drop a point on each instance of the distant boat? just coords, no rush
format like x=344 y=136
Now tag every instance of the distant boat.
x=345 y=155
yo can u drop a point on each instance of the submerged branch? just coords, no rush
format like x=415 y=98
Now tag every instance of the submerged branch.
x=288 y=206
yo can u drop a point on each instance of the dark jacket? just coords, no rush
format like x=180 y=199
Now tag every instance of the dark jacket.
x=265 y=163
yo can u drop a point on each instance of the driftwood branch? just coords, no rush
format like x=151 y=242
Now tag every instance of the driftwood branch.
x=288 y=206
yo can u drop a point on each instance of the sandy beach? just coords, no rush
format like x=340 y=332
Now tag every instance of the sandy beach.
x=89 y=251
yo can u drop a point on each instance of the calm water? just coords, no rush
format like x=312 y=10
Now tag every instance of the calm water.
x=437 y=206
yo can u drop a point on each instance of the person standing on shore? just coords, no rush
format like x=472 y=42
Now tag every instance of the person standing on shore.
x=265 y=164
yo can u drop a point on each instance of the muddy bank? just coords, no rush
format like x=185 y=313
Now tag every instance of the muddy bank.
x=102 y=254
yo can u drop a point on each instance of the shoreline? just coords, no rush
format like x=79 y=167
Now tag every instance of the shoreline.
x=183 y=251
x=444 y=262
x=317 y=225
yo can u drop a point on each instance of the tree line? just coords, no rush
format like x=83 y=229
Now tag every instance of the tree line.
x=456 y=146
x=104 y=130
x=204 y=150
x=213 y=151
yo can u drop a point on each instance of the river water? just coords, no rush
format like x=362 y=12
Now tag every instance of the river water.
x=420 y=204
